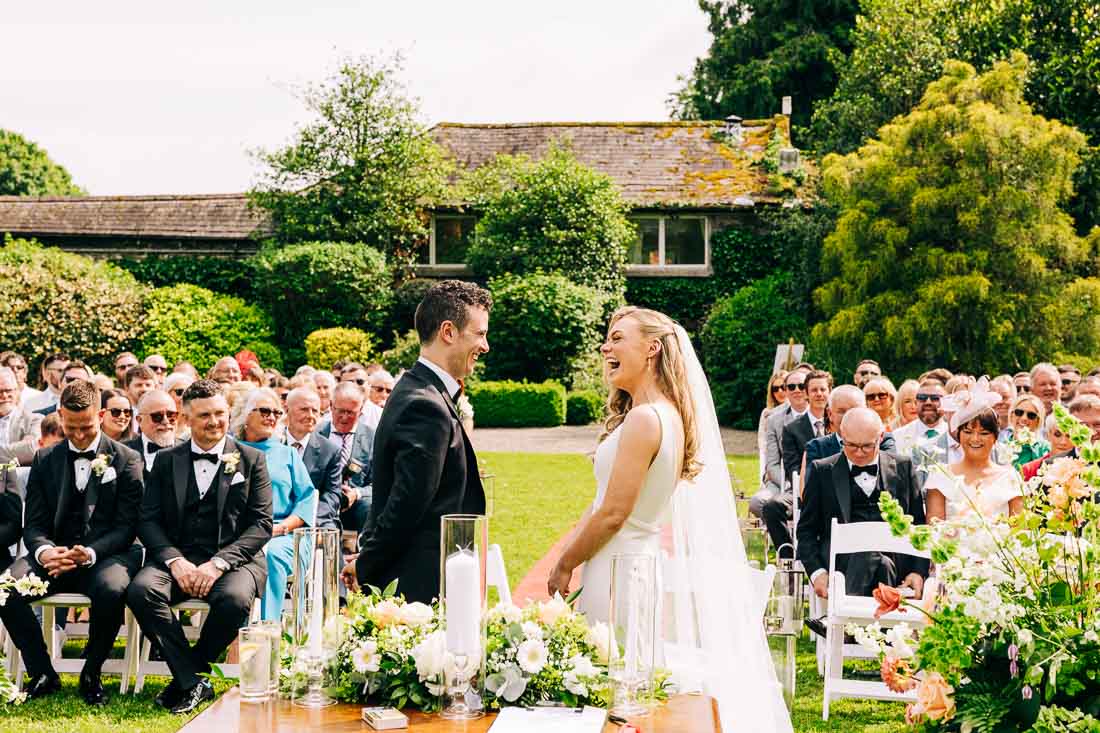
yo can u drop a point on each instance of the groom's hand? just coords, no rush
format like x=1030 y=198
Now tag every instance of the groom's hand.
x=821 y=585
x=558 y=582
x=351 y=582
x=916 y=582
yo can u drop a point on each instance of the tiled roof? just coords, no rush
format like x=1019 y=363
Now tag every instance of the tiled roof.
x=213 y=216
x=655 y=164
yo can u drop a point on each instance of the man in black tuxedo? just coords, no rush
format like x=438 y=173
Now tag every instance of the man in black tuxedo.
x=424 y=463
x=847 y=486
x=156 y=418
x=205 y=518
x=321 y=455
x=83 y=496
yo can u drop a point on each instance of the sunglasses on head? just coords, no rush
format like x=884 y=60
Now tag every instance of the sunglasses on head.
x=117 y=412
x=796 y=387
x=267 y=412
x=876 y=396
x=159 y=417
x=923 y=397
x=1030 y=415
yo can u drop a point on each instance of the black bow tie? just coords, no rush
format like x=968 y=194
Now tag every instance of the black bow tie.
x=204 y=457
x=871 y=470
x=153 y=448
x=87 y=455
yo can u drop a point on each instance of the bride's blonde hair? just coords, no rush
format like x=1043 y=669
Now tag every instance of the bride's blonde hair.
x=671 y=380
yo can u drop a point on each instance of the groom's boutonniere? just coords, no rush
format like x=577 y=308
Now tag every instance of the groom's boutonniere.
x=231 y=460
x=99 y=465
x=465 y=409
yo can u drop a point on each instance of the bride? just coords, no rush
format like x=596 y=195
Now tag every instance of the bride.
x=660 y=462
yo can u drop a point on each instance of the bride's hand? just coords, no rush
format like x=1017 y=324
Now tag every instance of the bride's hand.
x=558 y=582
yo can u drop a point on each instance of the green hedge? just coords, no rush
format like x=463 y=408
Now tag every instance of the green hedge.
x=325 y=346
x=220 y=274
x=583 y=408
x=518 y=404
x=403 y=354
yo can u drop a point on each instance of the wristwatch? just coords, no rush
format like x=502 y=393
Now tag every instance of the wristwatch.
x=220 y=563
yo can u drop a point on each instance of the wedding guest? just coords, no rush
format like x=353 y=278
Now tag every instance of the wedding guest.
x=1046 y=383
x=866 y=370
x=958 y=383
x=102 y=381
x=186 y=367
x=847 y=487
x=157 y=364
x=338 y=368
x=116 y=415
x=1059 y=444
x=1003 y=386
x=1069 y=376
x=281 y=385
x=81 y=515
x=210 y=548
x=357 y=373
x=929 y=423
x=1086 y=408
x=1022 y=381
x=941 y=375
x=75 y=370
x=123 y=363
x=139 y=380
x=356 y=441
x=272 y=375
x=53 y=366
x=795 y=407
x=945 y=448
x=975 y=482
x=51 y=431
x=157 y=421
x=11 y=513
x=305 y=370
x=774 y=395
x=20 y=430
x=1088 y=385
x=881 y=397
x=293 y=498
x=1094 y=372
x=18 y=365
x=1026 y=419
x=907 y=404
x=320 y=455
x=175 y=384
x=226 y=371
x=799 y=432
x=255 y=375
x=843 y=398
x=381 y=386
x=325 y=383
x=235 y=393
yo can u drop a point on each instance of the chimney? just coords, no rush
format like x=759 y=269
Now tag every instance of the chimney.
x=732 y=129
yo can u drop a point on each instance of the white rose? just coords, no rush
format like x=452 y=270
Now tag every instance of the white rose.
x=575 y=686
x=415 y=614
x=599 y=636
x=531 y=630
x=582 y=666
x=554 y=609
x=507 y=611
x=430 y=655
x=532 y=656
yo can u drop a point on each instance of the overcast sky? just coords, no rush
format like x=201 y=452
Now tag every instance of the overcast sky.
x=142 y=98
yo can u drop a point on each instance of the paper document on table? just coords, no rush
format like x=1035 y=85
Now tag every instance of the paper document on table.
x=549 y=720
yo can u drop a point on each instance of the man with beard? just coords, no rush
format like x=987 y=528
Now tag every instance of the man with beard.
x=157 y=418
x=929 y=423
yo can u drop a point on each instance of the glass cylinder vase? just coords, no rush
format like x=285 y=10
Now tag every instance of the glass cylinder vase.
x=463 y=548
x=633 y=617
x=316 y=602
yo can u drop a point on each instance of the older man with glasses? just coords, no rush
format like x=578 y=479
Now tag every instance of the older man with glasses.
x=157 y=416
x=18 y=365
x=20 y=430
x=159 y=367
x=929 y=423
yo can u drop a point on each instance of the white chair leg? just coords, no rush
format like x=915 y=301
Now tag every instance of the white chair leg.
x=127 y=656
x=139 y=677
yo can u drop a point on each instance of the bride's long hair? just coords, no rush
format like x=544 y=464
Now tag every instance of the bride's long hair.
x=671 y=380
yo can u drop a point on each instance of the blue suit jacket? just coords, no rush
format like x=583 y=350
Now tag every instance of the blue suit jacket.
x=362 y=452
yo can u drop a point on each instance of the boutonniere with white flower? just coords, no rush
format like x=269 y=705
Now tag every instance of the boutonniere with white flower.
x=465 y=409
x=99 y=465
x=231 y=460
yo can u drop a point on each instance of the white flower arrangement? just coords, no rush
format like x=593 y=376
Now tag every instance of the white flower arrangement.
x=28 y=585
x=231 y=460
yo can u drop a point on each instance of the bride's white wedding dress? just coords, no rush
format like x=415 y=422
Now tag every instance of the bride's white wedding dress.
x=710 y=637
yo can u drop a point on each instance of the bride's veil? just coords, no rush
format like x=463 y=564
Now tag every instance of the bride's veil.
x=712 y=627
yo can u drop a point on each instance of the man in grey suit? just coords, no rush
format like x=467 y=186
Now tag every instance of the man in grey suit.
x=321 y=455
x=356 y=443
x=19 y=429
x=774 y=480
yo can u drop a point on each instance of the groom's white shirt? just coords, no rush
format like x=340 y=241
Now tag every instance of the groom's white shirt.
x=449 y=382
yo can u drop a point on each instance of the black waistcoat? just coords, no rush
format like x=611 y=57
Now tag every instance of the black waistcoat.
x=865 y=508
x=199 y=534
x=72 y=523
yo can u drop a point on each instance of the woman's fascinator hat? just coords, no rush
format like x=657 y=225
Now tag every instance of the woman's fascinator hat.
x=967 y=404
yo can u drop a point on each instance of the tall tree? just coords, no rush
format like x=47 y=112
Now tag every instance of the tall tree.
x=26 y=170
x=952 y=247
x=361 y=169
x=763 y=50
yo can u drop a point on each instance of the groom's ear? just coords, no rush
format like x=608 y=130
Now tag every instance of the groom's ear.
x=447 y=332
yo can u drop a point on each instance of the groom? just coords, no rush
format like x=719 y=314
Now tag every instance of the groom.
x=424 y=463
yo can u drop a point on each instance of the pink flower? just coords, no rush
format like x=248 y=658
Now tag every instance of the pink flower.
x=889 y=599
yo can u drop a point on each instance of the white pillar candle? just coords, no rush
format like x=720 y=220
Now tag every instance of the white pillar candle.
x=463 y=605
x=317 y=598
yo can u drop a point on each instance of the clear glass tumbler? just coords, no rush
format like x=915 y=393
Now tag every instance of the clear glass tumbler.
x=255 y=656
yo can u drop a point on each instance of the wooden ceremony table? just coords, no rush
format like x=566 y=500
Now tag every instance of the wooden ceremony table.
x=681 y=714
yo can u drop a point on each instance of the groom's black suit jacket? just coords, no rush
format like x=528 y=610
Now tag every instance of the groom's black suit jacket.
x=424 y=467
x=829 y=494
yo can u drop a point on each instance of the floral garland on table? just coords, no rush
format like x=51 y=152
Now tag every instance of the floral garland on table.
x=1012 y=641
x=394 y=653
x=28 y=585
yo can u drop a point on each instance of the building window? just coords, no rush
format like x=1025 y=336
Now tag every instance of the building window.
x=669 y=241
x=450 y=238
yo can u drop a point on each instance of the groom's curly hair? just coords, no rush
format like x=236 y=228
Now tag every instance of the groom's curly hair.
x=448 y=300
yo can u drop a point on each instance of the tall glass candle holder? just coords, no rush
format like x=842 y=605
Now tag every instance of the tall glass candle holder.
x=633 y=615
x=316 y=603
x=274 y=631
x=463 y=547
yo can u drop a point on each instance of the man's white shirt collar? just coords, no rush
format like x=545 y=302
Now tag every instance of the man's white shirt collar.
x=217 y=450
x=449 y=382
x=291 y=440
x=94 y=447
x=798 y=414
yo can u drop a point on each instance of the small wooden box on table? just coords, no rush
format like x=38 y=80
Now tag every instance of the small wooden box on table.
x=681 y=714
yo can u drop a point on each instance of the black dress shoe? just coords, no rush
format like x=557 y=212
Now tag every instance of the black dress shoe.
x=41 y=685
x=190 y=700
x=169 y=697
x=91 y=689
x=817 y=626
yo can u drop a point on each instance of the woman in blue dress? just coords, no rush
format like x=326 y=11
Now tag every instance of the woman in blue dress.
x=294 y=500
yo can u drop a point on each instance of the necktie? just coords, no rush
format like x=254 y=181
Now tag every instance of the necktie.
x=297 y=445
x=345 y=448
x=819 y=428
x=87 y=455
x=930 y=433
x=204 y=457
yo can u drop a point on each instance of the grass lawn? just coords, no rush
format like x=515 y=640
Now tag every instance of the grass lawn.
x=537 y=498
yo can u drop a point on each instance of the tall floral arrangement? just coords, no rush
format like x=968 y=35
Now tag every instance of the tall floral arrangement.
x=1012 y=639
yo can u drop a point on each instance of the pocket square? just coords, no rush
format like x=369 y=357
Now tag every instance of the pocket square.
x=238 y=478
x=108 y=476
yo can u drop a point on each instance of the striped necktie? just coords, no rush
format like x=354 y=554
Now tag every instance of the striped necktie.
x=346 y=440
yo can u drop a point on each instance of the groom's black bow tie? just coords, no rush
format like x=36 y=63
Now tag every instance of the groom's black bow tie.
x=204 y=457
x=87 y=455
x=871 y=470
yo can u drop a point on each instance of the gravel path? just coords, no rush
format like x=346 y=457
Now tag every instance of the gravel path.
x=572 y=439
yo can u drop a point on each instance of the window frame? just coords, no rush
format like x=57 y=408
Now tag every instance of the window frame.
x=663 y=268
x=445 y=268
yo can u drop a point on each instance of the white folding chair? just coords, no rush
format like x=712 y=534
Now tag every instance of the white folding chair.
x=846 y=539
x=496 y=576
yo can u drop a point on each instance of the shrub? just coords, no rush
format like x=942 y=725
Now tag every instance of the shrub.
x=739 y=340
x=328 y=345
x=268 y=353
x=319 y=285
x=404 y=353
x=542 y=324
x=583 y=408
x=193 y=323
x=406 y=297
x=686 y=300
x=55 y=301
x=518 y=404
x=220 y=274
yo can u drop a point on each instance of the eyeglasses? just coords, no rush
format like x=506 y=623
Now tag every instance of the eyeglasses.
x=360 y=382
x=1030 y=415
x=860 y=447
x=120 y=412
x=126 y=366
x=922 y=397
x=159 y=417
x=178 y=391
x=17 y=367
x=269 y=412
x=380 y=388
x=778 y=388
x=157 y=369
x=1067 y=382
x=876 y=396
x=339 y=411
x=1023 y=388
x=796 y=387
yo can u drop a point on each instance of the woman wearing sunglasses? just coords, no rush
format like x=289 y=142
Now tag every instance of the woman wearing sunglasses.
x=775 y=395
x=116 y=417
x=881 y=397
x=176 y=384
x=1024 y=418
x=293 y=500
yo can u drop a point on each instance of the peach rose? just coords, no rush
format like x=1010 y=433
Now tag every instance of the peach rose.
x=1063 y=471
x=889 y=599
x=1077 y=488
x=385 y=613
x=897 y=674
x=934 y=697
x=1058 y=496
